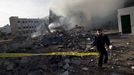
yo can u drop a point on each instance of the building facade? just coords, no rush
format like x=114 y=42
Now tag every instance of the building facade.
x=126 y=20
x=6 y=29
x=25 y=27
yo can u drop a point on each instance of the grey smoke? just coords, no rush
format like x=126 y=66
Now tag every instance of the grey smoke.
x=60 y=23
x=40 y=30
x=82 y=12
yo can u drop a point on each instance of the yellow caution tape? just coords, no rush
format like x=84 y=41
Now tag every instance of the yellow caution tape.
x=8 y=55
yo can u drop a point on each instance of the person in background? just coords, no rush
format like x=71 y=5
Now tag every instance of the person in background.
x=100 y=42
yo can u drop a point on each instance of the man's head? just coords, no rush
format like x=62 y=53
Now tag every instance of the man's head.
x=99 y=32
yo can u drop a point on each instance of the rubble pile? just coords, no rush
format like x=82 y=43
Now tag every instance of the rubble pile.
x=76 y=39
x=120 y=57
x=63 y=65
x=73 y=40
x=53 y=65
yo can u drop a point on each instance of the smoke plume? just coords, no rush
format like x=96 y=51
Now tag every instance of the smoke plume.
x=82 y=12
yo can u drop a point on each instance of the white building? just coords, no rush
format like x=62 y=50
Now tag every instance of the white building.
x=25 y=26
x=6 y=29
x=126 y=20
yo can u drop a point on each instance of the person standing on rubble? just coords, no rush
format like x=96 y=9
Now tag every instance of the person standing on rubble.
x=100 y=41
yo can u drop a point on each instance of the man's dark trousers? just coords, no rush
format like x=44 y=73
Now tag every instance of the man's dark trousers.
x=103 y=57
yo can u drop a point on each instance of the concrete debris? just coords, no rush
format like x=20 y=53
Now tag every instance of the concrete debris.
x=65 y=73
x=128 y=43
x=85 y=68
x=112 y=67
x=67 y=61
x=71 y=69
x=66 y=66
x=35 y=73
x=77 y=62
x=130 y=58
x=132 y=67
x=24 y=60
x=92 y=60
x=114 y=74
x=9 y=65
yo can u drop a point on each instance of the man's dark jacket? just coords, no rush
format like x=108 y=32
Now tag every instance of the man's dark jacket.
x=100 y=41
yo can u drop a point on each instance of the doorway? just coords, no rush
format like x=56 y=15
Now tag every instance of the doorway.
x=126 y=24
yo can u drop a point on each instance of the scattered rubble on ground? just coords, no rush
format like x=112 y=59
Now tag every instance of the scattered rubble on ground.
x=120 y=62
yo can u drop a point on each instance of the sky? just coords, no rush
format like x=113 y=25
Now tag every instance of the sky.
x=24 y=9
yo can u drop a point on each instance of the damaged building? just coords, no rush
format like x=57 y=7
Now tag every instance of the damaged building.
x=25 y=27
x=126 y=20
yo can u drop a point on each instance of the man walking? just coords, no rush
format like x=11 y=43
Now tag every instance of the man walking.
x=100 y=41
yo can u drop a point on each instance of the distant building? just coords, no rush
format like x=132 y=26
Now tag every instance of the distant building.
x=6 y=29
x=126 y=20
x=25 y=27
